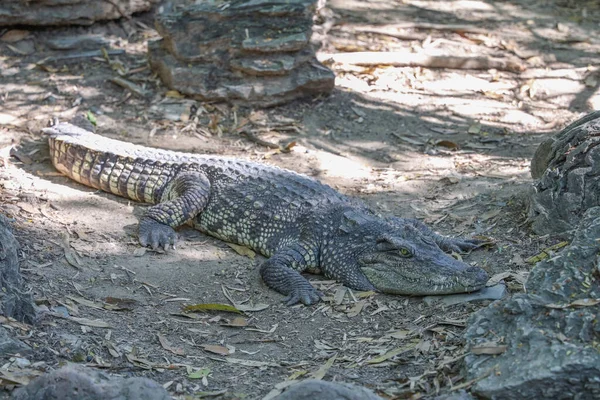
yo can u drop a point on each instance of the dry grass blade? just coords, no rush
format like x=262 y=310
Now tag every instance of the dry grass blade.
x=321 y=372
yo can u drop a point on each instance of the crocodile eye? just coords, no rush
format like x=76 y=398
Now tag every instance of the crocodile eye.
x=405 y=252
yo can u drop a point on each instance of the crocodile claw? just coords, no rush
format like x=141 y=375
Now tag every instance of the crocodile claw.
x=154 y=234
x=458 y=245
x=304 y=295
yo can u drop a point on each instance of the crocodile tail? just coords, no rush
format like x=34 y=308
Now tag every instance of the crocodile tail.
x=66 y=129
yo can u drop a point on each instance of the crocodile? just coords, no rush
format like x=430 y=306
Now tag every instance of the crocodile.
x=297 y=222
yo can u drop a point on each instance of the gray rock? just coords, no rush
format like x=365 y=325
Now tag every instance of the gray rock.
x=71 y=12
x=252 y=52
x=210 y=82
x=77 y=42
x=551 y=333
x=495 y=292
x=568 y=168
x=314 y=389
x=15 y=302
x=71 y=383
x=9 y=346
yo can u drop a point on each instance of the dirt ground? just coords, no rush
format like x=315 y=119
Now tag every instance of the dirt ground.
x=451 y=147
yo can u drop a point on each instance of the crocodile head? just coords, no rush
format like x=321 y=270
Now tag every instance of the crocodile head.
x=402 y=260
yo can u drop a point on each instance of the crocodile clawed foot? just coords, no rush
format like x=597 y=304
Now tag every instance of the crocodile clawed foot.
x=458 y=245
x=304 y=295
x=154 y=234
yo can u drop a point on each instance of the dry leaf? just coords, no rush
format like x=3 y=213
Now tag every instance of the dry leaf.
x=211 y=307
x=321 y=372
x=237 y=322
x=213 y=348
x=576 y=303
x=447 y=143
x=340 y=293
x=356 y=309
x=250 y=363
x=97 y=323
x=174 y=94
x=14 y=35
x=167 y=346
x=489 y=348
x=591 y=81
x=242 y=250
x=474 y=129
x=391 y=353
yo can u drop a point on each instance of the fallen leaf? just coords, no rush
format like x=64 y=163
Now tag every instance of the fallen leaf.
x=237 y=322
x=357 y=308
x=86 y=302
x=545 y=253
x=242 y=250
x=321 y=372
x=211 y=307
x=474 y=129
x=140 y=251
x=489 y=215
x=447 y=143
x=97 y=323
x=340 y=293
x=14 y=35
x=167 y=346
x=174 y=94
x=392 y=353
x=591 y=81
x=199 y=374
x=489 y=348
x=263 y=330
x=220 y=350
x=251 y=363
x=576 y=303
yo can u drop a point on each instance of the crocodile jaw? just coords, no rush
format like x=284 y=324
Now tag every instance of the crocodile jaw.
x=442 y=275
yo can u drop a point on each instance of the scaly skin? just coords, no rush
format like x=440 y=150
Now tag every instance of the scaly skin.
x=296 y=221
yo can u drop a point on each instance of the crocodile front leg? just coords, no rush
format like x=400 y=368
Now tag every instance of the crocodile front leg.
x=186 y=196
x=282 y=273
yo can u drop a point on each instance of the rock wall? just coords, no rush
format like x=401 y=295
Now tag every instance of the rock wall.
x=567 y=167
x=547 y=341
x=254 y=52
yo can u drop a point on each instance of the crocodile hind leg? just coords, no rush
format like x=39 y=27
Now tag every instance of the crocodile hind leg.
x=186 y=196
x=282 y=273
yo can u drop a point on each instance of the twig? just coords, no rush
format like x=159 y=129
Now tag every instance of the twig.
x=402 y=59
x=422 y=25
x=83 y=54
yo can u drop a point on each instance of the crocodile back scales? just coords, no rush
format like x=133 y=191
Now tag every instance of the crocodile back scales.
x=253 y=204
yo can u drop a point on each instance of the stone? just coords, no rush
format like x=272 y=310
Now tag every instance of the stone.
x=68 y=12
x=251 y=52
x=70 y=383
x=567 y=167
x=315 y=389
x=9 y=346
x=550 y=334
x=15 y=302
